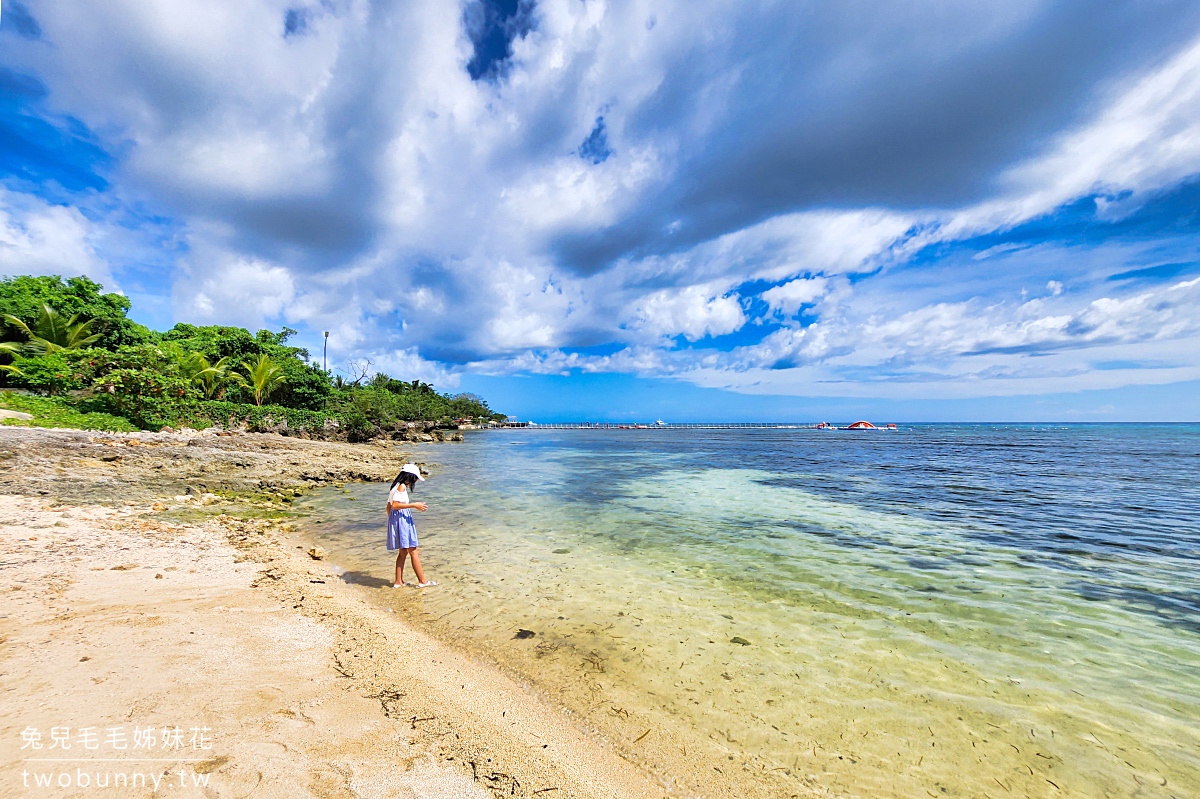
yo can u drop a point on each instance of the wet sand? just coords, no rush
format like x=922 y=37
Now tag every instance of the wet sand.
x=131 y=606
x=740 y=634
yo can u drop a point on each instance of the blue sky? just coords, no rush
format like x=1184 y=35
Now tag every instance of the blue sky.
x=644 y=209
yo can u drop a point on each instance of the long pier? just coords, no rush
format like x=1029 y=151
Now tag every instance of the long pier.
x=656 y=426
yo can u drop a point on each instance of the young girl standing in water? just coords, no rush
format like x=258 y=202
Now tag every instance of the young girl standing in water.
x=402 y=532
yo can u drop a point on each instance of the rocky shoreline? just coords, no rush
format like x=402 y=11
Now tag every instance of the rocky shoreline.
x=81 y=465
x=425 y=432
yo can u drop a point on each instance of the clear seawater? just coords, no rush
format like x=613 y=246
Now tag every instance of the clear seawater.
x=959 y=610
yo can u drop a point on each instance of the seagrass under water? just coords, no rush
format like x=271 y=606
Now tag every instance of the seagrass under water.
x=954 y=611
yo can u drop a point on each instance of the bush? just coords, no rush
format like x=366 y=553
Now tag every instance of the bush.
x=201 y=414
x=358 y=426
x=149 y=398
x=208 y=413
x=386 y=401
x=52 y=373
x=57 y=412
x=305 y=386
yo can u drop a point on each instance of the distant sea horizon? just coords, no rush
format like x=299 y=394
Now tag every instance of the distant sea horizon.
x=849 y=420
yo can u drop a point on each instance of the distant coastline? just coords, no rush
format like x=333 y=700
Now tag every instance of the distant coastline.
x=70 y=356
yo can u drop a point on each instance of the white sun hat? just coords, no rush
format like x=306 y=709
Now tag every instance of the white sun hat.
x=412 y=468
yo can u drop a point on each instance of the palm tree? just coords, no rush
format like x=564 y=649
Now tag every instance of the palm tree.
x=209 y=376
x=52 y=331
x=265 y=376
x=14 y=349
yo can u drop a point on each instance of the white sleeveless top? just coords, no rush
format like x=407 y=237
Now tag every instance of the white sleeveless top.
x=398 y=494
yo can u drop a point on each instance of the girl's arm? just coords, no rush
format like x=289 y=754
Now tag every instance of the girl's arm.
x=406 y=505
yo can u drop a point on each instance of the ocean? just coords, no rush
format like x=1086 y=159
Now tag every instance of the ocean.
x=951 y=610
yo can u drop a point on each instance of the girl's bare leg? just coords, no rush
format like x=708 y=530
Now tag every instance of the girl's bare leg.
x=400 y=567
x=416 y=562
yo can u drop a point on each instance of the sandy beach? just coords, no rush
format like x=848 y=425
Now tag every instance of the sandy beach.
x=165 y=630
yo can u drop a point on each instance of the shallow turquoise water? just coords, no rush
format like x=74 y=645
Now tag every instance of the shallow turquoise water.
x=959 y=610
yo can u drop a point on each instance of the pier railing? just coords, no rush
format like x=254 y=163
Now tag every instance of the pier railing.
x=664 y=426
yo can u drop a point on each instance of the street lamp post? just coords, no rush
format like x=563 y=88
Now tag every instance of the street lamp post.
x=325 y=368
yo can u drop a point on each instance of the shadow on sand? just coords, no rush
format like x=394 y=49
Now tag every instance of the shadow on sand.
x=362 y=578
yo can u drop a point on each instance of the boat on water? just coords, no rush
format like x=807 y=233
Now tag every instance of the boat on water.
x=859 y=425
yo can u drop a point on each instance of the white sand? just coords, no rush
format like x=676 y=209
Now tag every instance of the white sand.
x=116 y=619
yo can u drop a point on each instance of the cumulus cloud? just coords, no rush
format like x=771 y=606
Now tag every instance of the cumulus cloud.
x=972 y=328
x=233 y=290
x=445 y=189
x=411 y=366
x=693 y=312
x=981 y=346
x=786 y=300
x=920 y=108
x=40 y=238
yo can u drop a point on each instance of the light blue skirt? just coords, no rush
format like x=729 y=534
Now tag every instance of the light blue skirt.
x=402 y=532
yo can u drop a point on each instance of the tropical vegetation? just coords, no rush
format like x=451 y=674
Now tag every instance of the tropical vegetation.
x=53 y=332
x=57 y=412
x=71 y=344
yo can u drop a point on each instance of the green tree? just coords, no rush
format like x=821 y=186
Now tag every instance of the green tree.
x=216 y=341
x=69 y=338
x=469 y=406
x=211 y=378
x=306 y=386
x=52 y=331
x=265 y=376
x=24 y=296
x=11 y=349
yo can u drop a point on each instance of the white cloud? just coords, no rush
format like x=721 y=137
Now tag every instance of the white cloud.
x=38 y=238
x=1146 y=138
x=782 y=247
x=965 y=328
x=999 y=249
x=356 y=180
x=974 y=348
x=409 y=365
x=787 y=299
x=212 y=98
x=693 y=312
x=231 y=290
